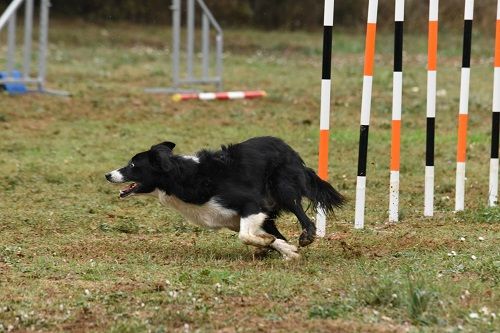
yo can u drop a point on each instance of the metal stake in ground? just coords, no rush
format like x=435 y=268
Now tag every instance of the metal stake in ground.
x=397 y=96
x=464 y=107
x=431 y=107
x=324 y=125
x=495 y=127
x=371 y=29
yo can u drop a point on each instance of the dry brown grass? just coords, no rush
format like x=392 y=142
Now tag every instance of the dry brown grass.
x=73 y=257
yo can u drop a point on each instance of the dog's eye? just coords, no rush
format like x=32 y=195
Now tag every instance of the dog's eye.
x=132 y=164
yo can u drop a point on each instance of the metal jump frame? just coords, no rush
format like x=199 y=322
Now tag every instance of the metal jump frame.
x=9 y=18
x=208 y=20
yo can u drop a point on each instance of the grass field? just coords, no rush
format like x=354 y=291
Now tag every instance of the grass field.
x=73 y=257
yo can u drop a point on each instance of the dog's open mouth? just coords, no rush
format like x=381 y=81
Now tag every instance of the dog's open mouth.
x=129 y=190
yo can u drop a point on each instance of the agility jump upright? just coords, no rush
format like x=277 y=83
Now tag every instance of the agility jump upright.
x=26 y=78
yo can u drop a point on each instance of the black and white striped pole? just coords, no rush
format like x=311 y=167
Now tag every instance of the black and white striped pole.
x=397 y=100
x=431 y=107
x=464 y=107
x=324 y=126
x=495 y=127
x=371 y=29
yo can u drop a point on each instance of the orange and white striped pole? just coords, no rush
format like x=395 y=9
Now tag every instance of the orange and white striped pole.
x=431 y=107
x=371 y=30
x=324 y=126
x=495 y=127
x=464 y=107
x=397 y=101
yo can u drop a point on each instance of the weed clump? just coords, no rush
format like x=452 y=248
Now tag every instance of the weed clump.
x=418 y=301
x=332 y=310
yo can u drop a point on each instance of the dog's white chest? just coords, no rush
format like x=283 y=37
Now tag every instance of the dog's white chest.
x=210 y=215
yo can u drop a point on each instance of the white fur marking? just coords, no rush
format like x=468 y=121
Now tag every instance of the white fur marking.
x=116 y=176
x=288 y=251
x=251 y=232
x=210 y=215
x=190 y=157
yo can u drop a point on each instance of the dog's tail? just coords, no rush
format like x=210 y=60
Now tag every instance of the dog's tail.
x=322 y=194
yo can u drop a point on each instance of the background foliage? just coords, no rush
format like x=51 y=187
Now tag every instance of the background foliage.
x=276 y=14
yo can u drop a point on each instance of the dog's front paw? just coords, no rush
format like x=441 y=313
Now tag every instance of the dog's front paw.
x=291 y=256
x=288 y=251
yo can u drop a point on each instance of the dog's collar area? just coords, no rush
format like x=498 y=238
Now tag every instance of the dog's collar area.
x=131 y=188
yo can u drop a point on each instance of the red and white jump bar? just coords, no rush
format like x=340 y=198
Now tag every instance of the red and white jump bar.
x=209 y=96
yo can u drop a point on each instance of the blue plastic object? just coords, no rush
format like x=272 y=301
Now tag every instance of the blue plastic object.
x=13 y=88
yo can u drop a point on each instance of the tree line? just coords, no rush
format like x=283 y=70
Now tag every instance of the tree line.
x=274 y=14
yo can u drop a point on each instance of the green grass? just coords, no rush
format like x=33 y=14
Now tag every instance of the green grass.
x=74 y=257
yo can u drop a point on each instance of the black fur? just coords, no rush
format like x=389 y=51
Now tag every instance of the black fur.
x=262 y=174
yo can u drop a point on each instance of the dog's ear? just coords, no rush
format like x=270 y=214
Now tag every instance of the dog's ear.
x=168 y=144
x=159 y=157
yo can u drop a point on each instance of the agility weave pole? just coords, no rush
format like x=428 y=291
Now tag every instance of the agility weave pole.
x=463 y=107
x=371 y=30
x=431 y=106
x=495 y=127
x=324 y=125
x=397 y=99
x=430 y=111
x=210 y=96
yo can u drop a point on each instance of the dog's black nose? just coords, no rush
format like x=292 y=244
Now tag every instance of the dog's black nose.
x=108 y=176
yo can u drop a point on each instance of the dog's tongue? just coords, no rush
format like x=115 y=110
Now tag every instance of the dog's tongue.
x=127 y=190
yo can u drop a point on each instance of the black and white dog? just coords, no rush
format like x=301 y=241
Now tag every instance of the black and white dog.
x=243 y=187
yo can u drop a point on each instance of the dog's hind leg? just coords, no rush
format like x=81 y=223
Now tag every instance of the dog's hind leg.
x=291 y=199
x=308 y=228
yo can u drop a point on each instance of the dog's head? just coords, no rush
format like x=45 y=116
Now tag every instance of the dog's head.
x=145 y=170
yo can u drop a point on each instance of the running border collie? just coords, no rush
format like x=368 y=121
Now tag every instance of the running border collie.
x=243 y=187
